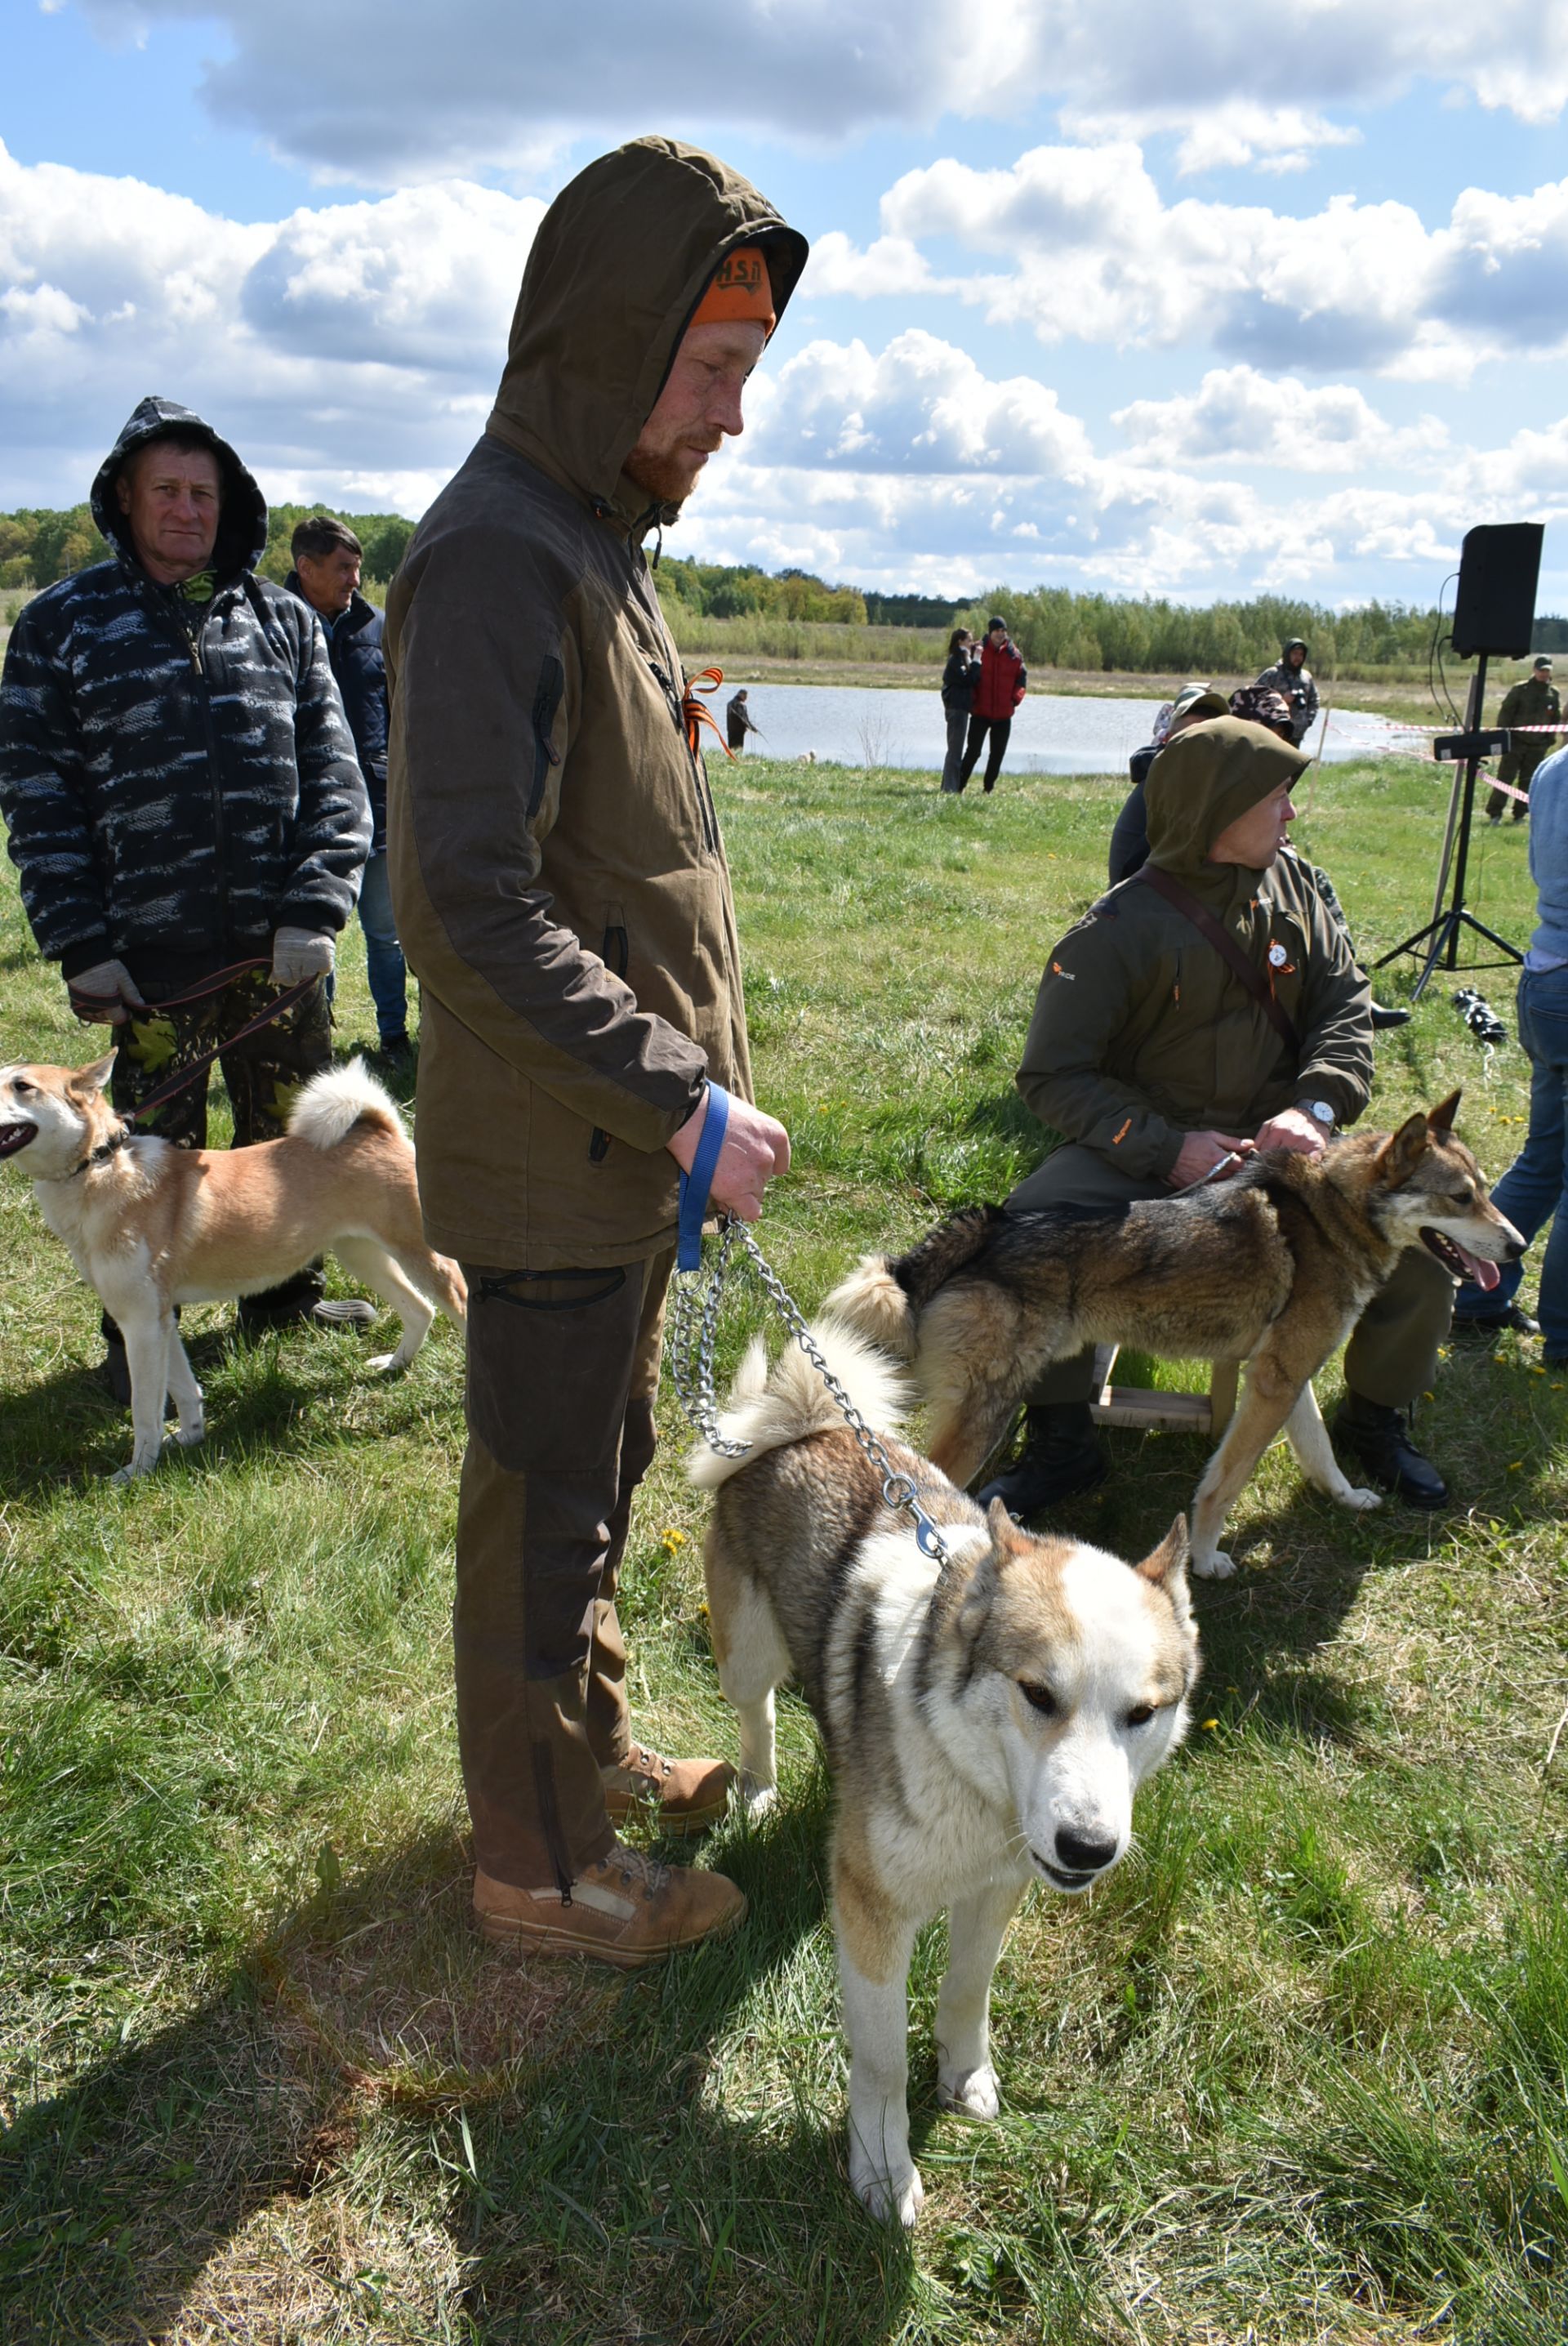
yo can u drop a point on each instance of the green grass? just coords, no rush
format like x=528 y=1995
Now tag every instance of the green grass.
x=1296 y=2074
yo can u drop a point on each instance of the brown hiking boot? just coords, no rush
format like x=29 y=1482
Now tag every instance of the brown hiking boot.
x=678 y=1796
x=626 y=1910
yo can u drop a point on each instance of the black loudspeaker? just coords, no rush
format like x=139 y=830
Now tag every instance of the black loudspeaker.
x=1495 y=610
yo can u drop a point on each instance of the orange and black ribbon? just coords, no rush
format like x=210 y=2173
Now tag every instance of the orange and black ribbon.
x=696 y=712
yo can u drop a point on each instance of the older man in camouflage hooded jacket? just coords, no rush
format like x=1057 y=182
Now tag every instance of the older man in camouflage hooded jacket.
x=561 y=890
x=182 y=795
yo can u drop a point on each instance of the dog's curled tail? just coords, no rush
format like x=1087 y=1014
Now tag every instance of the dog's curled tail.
x=883 y=1297
x=768 y=1408
x=333 y=1102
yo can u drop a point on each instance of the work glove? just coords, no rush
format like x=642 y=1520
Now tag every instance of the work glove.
x=299 y=954
x=104 y=996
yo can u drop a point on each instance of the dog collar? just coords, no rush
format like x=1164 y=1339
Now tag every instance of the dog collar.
x=103 y=1152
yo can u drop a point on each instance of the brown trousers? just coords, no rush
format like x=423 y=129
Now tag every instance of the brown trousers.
x=1391 y=1357
x=563 y=1367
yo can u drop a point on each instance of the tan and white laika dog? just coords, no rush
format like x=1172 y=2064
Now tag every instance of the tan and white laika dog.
x=987 y=1718
x=149 y=1225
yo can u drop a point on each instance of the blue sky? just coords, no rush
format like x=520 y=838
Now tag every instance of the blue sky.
x=1153 y=299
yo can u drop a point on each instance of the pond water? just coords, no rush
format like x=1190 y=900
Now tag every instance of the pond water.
x=868 y=725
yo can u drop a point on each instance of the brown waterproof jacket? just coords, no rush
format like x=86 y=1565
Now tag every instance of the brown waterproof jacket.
x=558 y=875
x=1142 y=1033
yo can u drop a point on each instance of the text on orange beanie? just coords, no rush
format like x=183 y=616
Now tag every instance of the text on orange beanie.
x=741 y=288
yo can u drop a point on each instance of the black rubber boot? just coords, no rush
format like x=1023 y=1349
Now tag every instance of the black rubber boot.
x=297 y=1299
x=1062 y=1455
x=1380 y=1438
x=1489 y=1324
x=1388 y=1014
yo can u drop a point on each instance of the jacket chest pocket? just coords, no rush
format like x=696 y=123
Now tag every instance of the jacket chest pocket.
x=615 y=952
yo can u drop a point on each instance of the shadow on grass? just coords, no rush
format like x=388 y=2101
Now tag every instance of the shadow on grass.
x=66 y=1428
x=569 y=2128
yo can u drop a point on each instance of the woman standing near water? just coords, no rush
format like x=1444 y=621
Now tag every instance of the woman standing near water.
x=959 y=678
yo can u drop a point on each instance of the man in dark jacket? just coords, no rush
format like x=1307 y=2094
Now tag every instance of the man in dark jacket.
x=1531 y=702
x=738 y=721
x=1151 y=1057
x=1291 y=677
x=182 y=797
x=562 y=893
x=326 y=574
x=1003 y=680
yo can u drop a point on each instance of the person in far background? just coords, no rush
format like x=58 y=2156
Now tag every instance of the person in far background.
x=1533 y=1190
x=738 y=721
x=959 y=678
x=1003 y=679
x=1291 y=676
x=326 y=575
x=1532 y=701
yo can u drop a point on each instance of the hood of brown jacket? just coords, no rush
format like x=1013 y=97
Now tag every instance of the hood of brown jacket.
x=619 y=264
x=1200 y=781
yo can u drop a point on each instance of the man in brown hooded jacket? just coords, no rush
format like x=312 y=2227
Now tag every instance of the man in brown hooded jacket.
x=561 y=890
x=1154 y=1059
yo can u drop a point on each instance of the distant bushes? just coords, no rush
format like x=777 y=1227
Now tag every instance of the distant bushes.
x=1054 y=627
x=800 y=639
x=794 y=615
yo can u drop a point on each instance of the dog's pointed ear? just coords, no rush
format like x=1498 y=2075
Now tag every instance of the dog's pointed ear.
x=1401 y=1152
x=1166 y=1567
x=1441 y=1118
x=1004 y=1535
x=1170 y=1555
x=95 y=1078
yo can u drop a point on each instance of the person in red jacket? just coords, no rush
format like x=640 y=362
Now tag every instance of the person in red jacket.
x=1003 y=681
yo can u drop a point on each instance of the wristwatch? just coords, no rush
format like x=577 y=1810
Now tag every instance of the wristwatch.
x=1321 y=1112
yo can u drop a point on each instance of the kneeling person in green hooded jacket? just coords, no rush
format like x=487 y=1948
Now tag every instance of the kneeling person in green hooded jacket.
x=561 y=890
x=1157 y=1060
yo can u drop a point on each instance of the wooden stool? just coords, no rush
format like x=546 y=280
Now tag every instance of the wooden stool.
x=1186 y=1412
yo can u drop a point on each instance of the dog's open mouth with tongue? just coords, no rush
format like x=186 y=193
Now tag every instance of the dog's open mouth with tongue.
x=15 y=1135
x=1458 y=1260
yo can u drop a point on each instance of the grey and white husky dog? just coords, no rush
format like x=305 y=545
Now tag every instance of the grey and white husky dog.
x=987 y=1718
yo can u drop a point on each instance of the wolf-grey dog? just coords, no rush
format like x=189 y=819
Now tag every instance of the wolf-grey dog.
x=1273 y=1267
x=987 y=1718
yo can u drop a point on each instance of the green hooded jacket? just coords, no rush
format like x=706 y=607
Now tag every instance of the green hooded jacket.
x=1142 y=1033
x=558 y=875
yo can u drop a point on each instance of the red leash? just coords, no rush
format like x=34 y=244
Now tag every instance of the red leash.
x=208 y=986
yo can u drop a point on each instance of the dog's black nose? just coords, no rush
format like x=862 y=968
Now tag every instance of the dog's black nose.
x=1083 y=1853
x=1514 y=1253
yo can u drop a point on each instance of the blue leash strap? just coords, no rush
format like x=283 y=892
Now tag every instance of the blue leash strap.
x=696 y=1184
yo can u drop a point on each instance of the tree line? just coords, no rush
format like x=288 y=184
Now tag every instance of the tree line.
x=40 y=544
x=1054 y=626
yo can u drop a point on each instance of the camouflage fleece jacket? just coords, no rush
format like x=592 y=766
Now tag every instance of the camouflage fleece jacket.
x=178 y=780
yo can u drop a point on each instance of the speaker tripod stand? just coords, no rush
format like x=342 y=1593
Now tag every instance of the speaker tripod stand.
x=1439 y=938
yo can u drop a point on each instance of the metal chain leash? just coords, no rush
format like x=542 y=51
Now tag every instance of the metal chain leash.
x=696 y=1321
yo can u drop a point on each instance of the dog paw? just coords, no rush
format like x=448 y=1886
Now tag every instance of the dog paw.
x=888 y=2193
x=1363 y=1502
x=1217 y=1565
x=189 y=1435
x=385 y=1365
x=972 y=2093
x=756 y=1799
x=131 y=1472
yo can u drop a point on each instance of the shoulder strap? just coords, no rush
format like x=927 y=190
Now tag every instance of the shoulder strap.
x=1225 y=944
